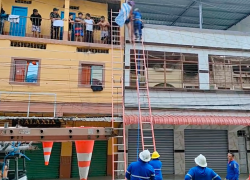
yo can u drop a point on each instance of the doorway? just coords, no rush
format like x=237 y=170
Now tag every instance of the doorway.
x=73 y=28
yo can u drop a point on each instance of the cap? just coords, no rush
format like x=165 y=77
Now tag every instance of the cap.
x=55 y=9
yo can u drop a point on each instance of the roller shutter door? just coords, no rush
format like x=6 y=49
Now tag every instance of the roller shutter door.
x=213 y=144
x=164 y=139
x=36 y=168
x=98 y=165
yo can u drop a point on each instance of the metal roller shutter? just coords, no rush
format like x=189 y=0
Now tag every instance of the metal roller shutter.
x=164 y=139
x=98 y=165
x=213 y=144
x=36 y=168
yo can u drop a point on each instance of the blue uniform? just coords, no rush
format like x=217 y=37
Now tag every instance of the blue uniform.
x=157 y=164
x=201 y=173
x=140 y=171
x=137 y=23
x=232 y=170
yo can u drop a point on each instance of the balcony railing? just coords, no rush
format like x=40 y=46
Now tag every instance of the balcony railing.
x=77 y=33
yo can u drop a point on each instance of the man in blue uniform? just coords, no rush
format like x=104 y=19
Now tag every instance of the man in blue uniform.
x=141 y=169
x=232 y=168
x=137 y=24
x=201 y=171
x=156 y=164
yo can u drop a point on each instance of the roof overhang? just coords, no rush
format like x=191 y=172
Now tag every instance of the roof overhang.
x=190 y=120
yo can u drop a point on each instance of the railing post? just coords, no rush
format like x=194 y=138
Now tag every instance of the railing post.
x=55 y=107
x=28 y=110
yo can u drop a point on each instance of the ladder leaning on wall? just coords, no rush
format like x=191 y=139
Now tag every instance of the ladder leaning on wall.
x=144 y=106
x=119 y=162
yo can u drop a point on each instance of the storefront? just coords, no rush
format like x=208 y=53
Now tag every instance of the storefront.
x=213 y=144
x=164 y=139
x=98 y=166
x=36 y=168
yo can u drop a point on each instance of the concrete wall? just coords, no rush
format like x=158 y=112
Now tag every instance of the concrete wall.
x=59 y=73
x=194 y=41
x=242 y=26
x=189 y=100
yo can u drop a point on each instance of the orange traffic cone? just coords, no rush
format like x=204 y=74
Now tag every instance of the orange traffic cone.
x=47 y=147
x=84 y=151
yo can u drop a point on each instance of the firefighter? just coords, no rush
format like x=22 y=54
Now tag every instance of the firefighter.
x=141 y=169
x=156 y=164
x=201 y=171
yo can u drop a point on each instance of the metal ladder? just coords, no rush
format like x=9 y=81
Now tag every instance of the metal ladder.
x=119 y=164
x=147 y=133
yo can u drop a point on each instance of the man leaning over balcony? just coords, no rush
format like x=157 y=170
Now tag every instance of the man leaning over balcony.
x=54 y=31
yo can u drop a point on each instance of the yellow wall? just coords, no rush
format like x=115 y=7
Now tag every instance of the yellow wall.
x=45 y=7
x=59 y=73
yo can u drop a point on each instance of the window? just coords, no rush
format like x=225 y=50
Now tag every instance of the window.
x=91 y=75
x=229 y=72
x=166 y=69
x=25 y=71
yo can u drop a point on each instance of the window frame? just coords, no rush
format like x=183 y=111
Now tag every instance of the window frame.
x=91 y=64
x=12 y=71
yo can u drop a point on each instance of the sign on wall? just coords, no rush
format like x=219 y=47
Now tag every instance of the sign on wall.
x=35 y=123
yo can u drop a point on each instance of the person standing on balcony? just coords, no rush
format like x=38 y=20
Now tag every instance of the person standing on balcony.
x=71 y=23
x=54 y=31
x=232 y=168
x=104 y=26
x=79 y=24
x=89 y=28
x=36 y=20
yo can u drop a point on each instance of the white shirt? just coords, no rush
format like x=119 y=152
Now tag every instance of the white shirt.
x=89 y=24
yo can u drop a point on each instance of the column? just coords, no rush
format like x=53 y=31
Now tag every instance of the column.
x=66 y=23
x=65 y=161
x=179 y=149
x=233 y=145
x=203 y=71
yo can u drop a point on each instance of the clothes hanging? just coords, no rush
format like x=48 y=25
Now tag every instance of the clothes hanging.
x=14 y=18
x=123 y=14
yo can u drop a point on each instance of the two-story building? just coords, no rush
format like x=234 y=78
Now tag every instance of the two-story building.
x=59 y=75
x=199 y=82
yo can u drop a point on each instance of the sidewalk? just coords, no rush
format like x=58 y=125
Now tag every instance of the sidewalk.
x=168 y=177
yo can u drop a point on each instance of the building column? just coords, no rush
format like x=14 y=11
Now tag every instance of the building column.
x=204 y=81
x=179 y=149
x=233 y=145
x=65 y=161
x=66 y=23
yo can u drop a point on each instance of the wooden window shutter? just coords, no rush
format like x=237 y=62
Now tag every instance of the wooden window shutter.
x=20 y=67
x=86 y=74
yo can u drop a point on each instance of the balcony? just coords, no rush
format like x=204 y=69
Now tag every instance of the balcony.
x=18 y=24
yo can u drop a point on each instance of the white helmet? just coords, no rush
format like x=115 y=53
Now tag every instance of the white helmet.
x=145 y=156
x=201 y=161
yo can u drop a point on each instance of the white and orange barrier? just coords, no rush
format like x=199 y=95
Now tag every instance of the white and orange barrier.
x=84 y=151
x=47 y=148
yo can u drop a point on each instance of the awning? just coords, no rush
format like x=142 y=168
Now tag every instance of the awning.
x=190 y=120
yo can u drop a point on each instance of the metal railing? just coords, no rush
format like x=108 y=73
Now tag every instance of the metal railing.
x=78 y=31
x=29 y=94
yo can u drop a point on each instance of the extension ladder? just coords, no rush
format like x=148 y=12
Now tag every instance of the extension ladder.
x=146 y=127
x=119 y=141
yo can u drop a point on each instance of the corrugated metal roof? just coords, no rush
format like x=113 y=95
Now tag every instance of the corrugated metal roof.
x=217 y=14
